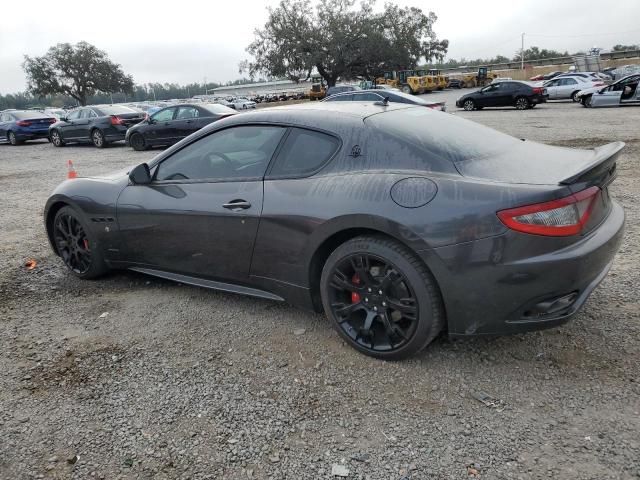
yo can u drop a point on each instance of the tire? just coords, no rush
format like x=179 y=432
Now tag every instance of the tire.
x=407 y=89
x=80 y=243
x=404 y=281
x=574 y=96
x=586 y=101
x=522 y=103
x=56 y=138
x=469 y=105
x=97 y=137
x=137 y=142
x=13 y=140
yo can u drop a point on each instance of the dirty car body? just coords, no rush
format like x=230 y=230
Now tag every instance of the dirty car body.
x=622 y=92
x=461 y=200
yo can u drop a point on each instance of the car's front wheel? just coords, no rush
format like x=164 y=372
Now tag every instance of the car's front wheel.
x=97 y=137
x=469 y=105
x=381 y=298
x=76 y=246
x=586 y=101
x=137 y=142
x=56 y=138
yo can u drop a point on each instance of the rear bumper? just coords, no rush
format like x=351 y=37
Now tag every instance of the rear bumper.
x=485 y=295
x=115 y=133
x=22 y=135
x=539 y=98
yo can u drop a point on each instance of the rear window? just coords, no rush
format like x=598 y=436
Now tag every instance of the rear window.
x=114 y=110
x=217 y=108
x=442 y=137
x=28 y=115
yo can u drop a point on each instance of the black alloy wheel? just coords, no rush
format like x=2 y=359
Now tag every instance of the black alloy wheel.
x=469 y=105
x=56 y=139
x=137 y=142
x=522 y=103
x=382 y=308
x=75 y=245
x=97 y=137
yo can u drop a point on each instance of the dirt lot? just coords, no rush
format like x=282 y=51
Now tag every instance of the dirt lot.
x=133 y=377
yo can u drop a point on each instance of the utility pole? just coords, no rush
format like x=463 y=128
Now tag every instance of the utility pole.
x=522 y=53
x=205 y=85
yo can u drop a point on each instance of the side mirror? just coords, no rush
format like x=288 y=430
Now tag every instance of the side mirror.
x=140 y=175
x=63 y=119
x=150 y=121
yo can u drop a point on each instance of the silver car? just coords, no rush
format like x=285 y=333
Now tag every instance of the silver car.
x=623 y=92
x=565 y=87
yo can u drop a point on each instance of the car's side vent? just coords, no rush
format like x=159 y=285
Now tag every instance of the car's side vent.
x=102 y=219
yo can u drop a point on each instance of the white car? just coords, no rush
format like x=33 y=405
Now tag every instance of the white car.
x=243 y=104
x=566 y=86
x=55 y=112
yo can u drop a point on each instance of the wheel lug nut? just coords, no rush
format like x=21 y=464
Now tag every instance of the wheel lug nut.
x=384 y=304
x=375 y=309
x=369 y=290
x=366 y=299
x=380 y=292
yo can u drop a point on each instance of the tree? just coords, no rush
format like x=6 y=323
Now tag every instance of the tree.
x=339 y=40
x=622 y=48
x=79 y=71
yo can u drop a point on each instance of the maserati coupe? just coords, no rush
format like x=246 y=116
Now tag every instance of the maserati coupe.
x=398 y=221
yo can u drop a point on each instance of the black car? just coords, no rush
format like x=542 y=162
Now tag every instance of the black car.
x=511 y=93
x=97 y=124
x=399 y=222
x=171 y=124
x=378 y=95
x=341 y=89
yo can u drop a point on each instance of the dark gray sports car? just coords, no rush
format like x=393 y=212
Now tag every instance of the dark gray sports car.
x=398 y=221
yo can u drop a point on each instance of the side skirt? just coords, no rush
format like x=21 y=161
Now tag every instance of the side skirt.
x=201 y=282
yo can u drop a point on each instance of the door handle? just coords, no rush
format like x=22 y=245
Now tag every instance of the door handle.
x=237 y=205
x=188 y=121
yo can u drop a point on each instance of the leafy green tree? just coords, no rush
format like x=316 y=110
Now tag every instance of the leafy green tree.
x=621 y=48
x=340 y=40
x=79 y=71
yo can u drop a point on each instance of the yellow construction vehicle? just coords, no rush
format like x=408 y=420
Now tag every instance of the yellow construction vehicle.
x=480 y=79
x=442 y=80
x=318 y=90
x=430 y=81
x=406 y=80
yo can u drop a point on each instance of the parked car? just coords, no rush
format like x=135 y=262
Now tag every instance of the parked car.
x=18 y=126
x=174 y=123
x=565 y=87
x=454 y=83
x=97 y=124
x=504 y=94
x=341 y=89
x=56 y=113
x=399 y=222
x=375 y=95
x=243 y=104
x=622 y=92
x=546 y=76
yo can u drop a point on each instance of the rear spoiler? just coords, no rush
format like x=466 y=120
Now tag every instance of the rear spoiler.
x=601 y=168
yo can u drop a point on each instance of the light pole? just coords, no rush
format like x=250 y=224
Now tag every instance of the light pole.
x=522 y=53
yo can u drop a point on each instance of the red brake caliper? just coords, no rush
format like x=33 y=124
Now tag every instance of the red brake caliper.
x=86 y=244
x=355 y=297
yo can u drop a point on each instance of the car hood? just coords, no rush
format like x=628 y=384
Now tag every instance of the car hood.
x=588 y=91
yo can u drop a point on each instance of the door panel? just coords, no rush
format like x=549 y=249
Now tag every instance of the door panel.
x=606 y=99
x=162 y=130
x=186 y=228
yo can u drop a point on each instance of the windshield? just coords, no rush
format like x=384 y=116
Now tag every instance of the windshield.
x=217 y=108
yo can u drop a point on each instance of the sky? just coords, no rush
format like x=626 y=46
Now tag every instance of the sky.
x=156 y=43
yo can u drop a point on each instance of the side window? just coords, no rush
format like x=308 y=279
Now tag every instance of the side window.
x=366 y=97
x=4 y=117
x=571 y=81
x=185 y=113
x=236 y=152
x=304 y=151
x=91 y=114
x=347 y=97
x=85 y=113
x=164 y=115
x=74 y=115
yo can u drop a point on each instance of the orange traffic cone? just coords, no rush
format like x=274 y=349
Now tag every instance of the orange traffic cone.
x=71 y=172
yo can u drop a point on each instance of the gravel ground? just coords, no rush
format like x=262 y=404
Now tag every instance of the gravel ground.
x=134 y=377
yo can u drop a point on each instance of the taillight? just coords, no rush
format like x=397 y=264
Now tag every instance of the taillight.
x=557 y=218
x=23 y=123
x=598 y=84
x=538 y=90
x=116 y=120
x=52 y=120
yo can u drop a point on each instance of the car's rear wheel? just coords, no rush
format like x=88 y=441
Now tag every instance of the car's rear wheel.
x=522 y=103
x=97 y=137
x=574 y=96
x=381 y=298
x=56 y=138
x=75 y=245
x=469 y=105
x=13 y=140
x=137 y=142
